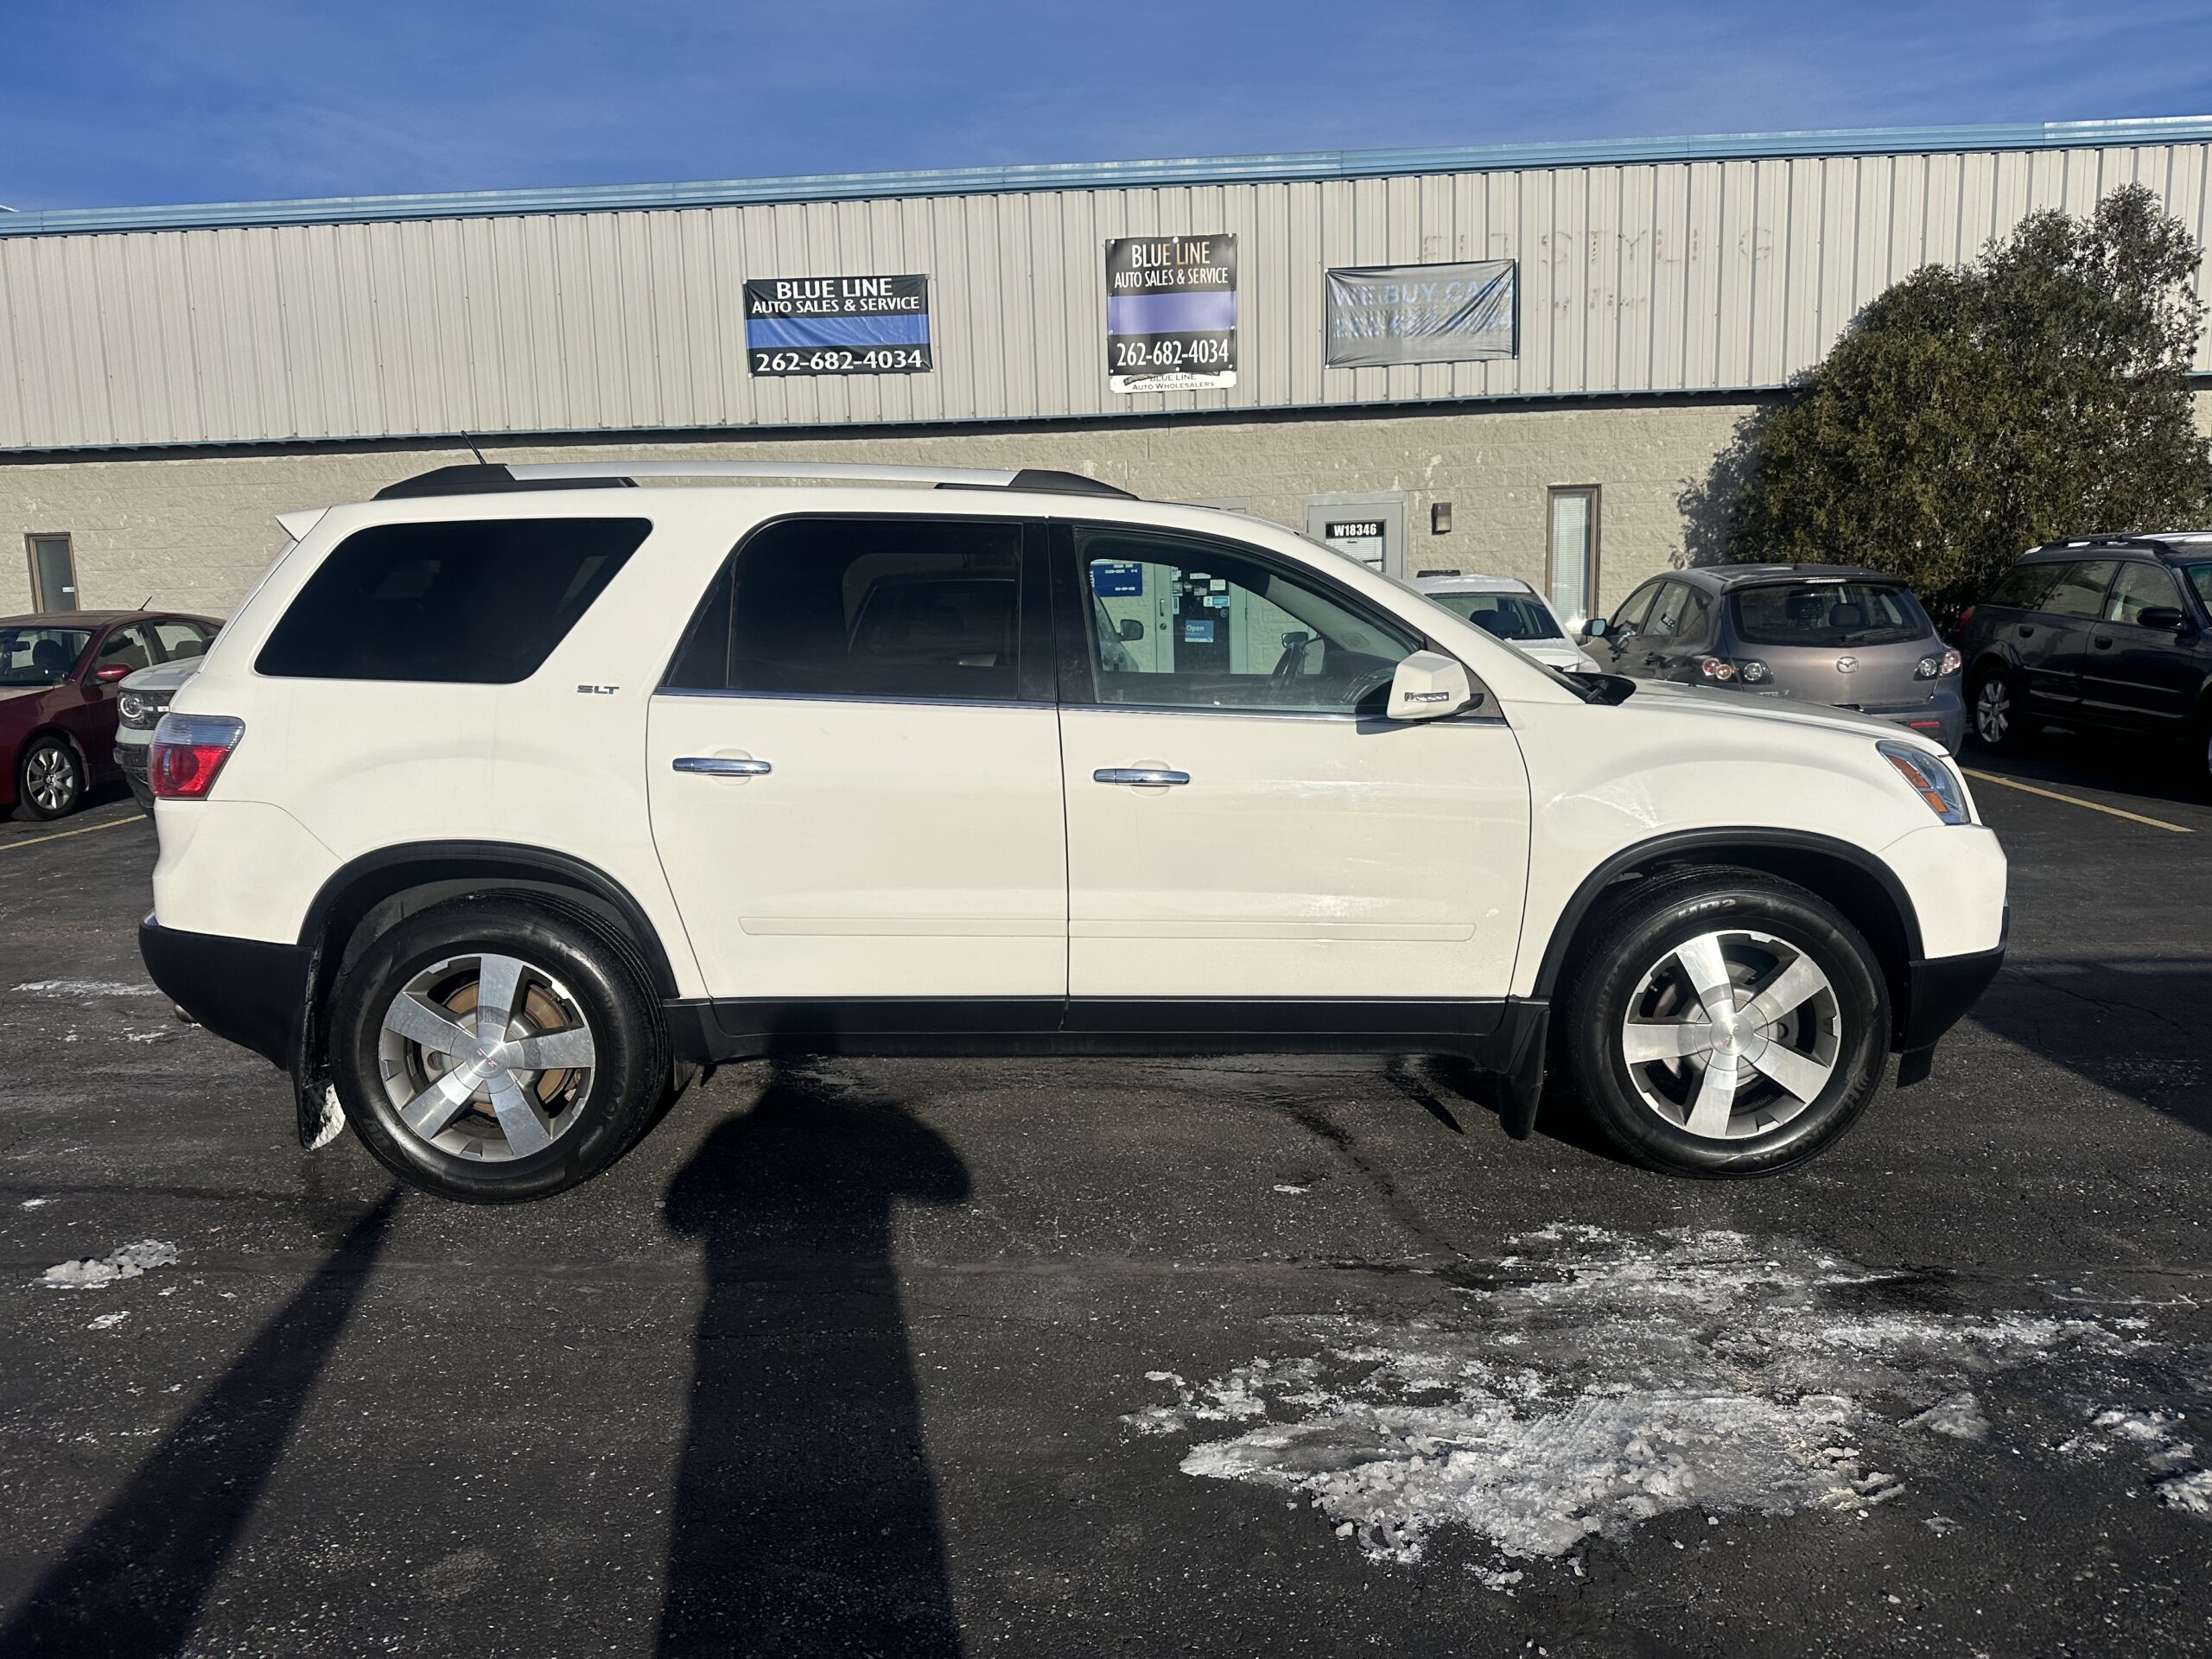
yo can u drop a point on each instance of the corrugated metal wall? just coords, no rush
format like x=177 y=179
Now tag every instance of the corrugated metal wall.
x=1694 y=275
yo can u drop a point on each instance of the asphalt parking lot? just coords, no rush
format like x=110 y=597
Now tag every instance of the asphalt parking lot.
x=1262 y=1357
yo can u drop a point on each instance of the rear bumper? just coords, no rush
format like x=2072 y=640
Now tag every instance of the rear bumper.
x=245 y=991
x=1942 y=716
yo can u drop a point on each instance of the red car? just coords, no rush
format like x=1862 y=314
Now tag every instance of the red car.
x=57 y=675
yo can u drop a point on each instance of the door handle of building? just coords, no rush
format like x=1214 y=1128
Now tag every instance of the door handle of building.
x=1142 y=777
x=722 y=765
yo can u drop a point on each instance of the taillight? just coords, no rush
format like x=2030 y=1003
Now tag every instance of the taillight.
x=1716 y=668
x=1966 y=616
x=189 y=753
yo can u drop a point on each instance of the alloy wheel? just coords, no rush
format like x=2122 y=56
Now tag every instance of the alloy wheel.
x=1992 y=710
x=50 y=777
x=1731 y=1033
x=486 y=1057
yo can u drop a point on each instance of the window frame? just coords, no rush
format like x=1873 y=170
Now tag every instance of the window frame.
x=1034 y=666
x=1651 y=585
x=1590 y=556
x=31 y=539
x=143 y=627
x=1077 y=685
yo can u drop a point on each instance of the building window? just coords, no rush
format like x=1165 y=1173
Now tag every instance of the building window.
x=54 y=574
x=1571 y=562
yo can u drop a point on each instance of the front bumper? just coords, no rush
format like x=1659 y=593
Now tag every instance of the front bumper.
x=130 y=758
x=1939 y=991
x=246 y=991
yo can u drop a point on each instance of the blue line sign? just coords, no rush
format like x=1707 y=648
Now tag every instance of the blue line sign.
x=1170 y=312
x=837 y=325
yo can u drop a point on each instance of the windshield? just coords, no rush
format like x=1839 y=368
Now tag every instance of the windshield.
x=1829 y=613
x=40 y=656
x=1509 y=616
x=2200 y=577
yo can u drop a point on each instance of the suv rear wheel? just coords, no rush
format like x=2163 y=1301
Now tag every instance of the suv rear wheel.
x=1998 y=711
x=1727 y=1023
x=497 y=1050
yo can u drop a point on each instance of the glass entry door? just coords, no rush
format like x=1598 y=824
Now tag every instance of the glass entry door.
x=54 y=574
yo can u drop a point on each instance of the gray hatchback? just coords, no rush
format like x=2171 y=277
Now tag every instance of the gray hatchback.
x=1825 y=634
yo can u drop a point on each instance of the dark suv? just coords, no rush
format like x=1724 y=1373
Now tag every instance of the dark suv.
x=2110 y=631
x=1828 y=633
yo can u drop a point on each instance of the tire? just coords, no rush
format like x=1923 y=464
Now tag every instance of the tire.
x=1997 y=712
x=522 y=1132
x=50 y=779
x=1639 y=971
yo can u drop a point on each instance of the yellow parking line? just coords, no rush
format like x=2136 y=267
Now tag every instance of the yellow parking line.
x=2075 y=800
x=112 y=823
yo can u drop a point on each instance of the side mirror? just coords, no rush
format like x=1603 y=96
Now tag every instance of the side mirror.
x=108 y=674
x=2168 y=617
x=1130 y=628
x=1593 y=629
x=1429 y=685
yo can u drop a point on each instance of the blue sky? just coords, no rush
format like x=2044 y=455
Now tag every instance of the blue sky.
x=147 y=101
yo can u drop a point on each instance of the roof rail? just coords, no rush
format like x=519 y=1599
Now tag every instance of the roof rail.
x=587 y=474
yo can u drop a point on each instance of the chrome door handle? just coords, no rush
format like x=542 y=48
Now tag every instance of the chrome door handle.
x=721 y=766
x=1152 y=777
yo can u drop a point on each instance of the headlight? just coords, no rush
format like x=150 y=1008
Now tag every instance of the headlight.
x=1930 y=780
x=132 y=710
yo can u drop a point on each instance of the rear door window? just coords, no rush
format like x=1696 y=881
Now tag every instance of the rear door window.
x=2079 y=590
x=478 y=602
x=907 y=608
x=126 y=647
x=2025 y=586
x=180 y=640
x=1829 y=613
x=2136 y=589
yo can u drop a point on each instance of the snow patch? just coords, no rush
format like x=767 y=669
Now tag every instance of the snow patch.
x=1285 y=1187
x=34 y=1203
x=333 y=1122
x=2183 y=1483
x=127 y=1263
x=86 y=988
x=1599 y=1382
x=107 y=1321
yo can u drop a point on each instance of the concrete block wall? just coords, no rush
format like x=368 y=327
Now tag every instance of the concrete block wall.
x=193 y=531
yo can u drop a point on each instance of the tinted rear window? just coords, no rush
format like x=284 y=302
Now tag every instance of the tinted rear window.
x=2200 y=577
x=2025 y=586
x=1829 y=613
x=870 y=607
x=2080 y=589
x=479 y=602
x=1508 y=616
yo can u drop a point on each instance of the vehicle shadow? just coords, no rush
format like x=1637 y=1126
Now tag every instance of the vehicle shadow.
x=2114 y=763
x=805 y=1517
x=134 y=1580
x=2134 y=1025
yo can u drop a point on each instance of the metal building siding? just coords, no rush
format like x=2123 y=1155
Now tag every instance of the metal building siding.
x=1638 y=274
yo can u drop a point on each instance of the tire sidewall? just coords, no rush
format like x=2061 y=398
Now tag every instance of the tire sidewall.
x=1643 y=937
x=76 y=797
x=625 y=1077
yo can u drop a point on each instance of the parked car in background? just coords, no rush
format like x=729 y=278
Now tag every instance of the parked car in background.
x=1509 y=609
x=829 y=770
x=143 y=700
x=59 y=674
x=1827 y=633
x=2110 y=631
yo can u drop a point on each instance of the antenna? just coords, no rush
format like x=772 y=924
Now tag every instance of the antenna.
x=473 y=450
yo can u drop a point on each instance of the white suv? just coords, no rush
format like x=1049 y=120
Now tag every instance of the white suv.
x=510 y=796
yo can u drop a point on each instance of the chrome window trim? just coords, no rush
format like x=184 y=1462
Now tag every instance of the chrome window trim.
x=852 y=696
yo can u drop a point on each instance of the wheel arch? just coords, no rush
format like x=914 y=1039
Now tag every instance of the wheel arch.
x=393 y=881
x=31 y=739
x=1852 y=879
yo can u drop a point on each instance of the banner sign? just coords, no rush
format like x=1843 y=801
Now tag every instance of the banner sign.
x=1170 y=312
x=837 y=325
x=1381 y=314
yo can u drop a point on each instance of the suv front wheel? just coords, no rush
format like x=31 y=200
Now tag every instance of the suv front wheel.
x=1727 y=1023
x=497 y=1050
